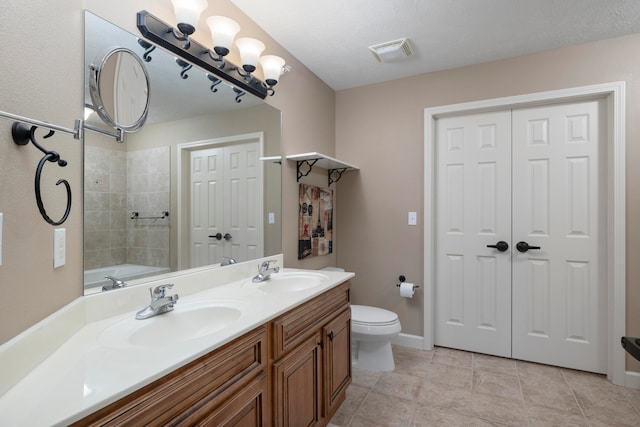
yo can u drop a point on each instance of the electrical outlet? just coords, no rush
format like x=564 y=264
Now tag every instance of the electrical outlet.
x=59 y=247
x=413 y=218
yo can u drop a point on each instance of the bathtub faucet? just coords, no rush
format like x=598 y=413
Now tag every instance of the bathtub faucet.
x=160 y=303
x=265 y=271
x=115 y=283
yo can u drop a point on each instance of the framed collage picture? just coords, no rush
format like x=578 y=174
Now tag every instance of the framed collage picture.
x=315 y=221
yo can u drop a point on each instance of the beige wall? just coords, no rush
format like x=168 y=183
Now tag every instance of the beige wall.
x=42 y=78
x=381 y=129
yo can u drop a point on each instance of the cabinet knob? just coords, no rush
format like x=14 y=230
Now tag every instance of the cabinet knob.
x=330 y=335
x=321 y=344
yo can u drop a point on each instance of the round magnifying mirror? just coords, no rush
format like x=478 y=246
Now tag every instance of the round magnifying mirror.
x=119 y=88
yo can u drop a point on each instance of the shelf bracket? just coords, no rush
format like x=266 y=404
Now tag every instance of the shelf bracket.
x=338 y=172
x=309 y=164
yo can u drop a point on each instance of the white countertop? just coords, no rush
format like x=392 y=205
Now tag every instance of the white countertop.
x=75 y=362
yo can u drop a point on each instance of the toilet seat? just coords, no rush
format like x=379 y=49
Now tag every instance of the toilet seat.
x=372 y=316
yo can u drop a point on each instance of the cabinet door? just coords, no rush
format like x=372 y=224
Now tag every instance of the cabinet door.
x=337 y=360
x=297 y=382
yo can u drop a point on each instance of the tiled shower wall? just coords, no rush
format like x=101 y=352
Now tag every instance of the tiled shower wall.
x=116 y=184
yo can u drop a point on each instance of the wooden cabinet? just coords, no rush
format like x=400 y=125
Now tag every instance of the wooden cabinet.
x=337 y=360
x=209 y=387
x=297 y=385
x=312 y=359
x=292 y=371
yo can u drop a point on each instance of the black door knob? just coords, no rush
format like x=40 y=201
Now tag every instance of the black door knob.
x=227 y=237
x=524 y=247
x=216 y=236
x=501 y=246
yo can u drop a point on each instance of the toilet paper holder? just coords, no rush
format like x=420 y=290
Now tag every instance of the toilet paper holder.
x=402 y=279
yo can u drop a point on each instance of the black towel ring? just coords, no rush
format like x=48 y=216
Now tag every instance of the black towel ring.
x=22 y=134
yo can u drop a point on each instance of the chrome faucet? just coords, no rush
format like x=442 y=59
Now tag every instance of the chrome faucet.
x=160 y=303
x=115 y=284
x=227 y=260
x=265 y=270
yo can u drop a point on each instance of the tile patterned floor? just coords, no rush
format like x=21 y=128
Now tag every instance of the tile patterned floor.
x=446 y=387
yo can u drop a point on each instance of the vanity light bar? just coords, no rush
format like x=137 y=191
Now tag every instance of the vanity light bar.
x=160 y=33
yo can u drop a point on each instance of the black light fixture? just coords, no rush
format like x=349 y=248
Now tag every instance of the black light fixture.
x=223 y=31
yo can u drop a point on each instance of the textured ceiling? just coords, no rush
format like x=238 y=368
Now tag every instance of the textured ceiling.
x=331 y=37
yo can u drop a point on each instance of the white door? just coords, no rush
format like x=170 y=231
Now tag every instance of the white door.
x=244 y=212
x=207 y=195
x=473 y=210
x=559 y=290
x=552 y=299
x=226 y=204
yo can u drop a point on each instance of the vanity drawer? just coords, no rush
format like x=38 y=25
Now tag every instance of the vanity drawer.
x=207 y=381
x=295 y=326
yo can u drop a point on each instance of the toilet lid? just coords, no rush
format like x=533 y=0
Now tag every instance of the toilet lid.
x=372 y=315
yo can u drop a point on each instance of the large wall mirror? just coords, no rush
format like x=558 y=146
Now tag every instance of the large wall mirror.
x=191 y=186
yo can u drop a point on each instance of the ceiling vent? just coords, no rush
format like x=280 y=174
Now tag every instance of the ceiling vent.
x=392 y=51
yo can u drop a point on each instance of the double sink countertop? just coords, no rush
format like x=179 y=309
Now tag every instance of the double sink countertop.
x=93 y=351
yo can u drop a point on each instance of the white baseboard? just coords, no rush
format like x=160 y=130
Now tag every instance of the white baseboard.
x=411 y=341
x=632 y=379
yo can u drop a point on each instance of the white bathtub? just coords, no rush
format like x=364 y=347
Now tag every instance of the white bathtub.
x=94 y=278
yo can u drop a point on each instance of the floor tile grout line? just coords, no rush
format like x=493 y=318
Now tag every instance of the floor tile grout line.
x=524 y=401
x=573 y=393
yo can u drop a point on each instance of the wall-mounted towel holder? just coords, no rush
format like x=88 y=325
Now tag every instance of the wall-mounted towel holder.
x=22 y=135
x=136 y=215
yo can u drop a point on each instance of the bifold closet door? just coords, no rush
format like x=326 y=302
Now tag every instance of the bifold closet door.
x=559 y=292
x=521 y=234
x=473 y=212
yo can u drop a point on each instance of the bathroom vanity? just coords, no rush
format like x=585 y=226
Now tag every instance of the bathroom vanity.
x=304 y=356
x=285 y=361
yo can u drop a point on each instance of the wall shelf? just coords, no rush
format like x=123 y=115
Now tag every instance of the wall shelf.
x=272 y=159
x=334 y=167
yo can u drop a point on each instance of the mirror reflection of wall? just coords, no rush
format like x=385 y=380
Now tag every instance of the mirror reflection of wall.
x=141 y=175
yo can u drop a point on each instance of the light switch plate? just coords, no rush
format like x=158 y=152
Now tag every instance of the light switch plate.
x=413 y=218
x=272 y=218
x=59 y=247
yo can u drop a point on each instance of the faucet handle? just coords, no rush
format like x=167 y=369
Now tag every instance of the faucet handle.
x=159 y=291
x=266 y=264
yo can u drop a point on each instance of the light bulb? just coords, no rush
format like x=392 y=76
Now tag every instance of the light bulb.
x=250 y=50
x=271 y=68
x=223 y=31
x=188 y=13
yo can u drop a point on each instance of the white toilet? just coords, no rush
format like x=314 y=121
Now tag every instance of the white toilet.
x=372 y=330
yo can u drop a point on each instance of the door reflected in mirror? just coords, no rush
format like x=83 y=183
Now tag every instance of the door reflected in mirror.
x=140 y=195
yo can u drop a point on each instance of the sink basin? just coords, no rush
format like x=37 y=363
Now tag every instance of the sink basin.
x=291 y=281
x=188 y=321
